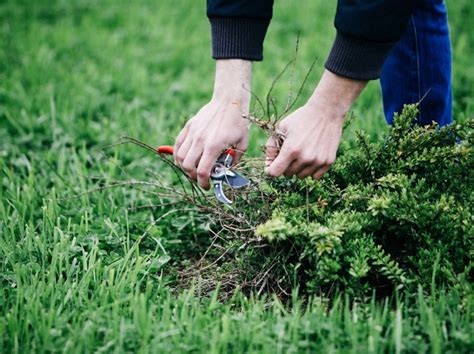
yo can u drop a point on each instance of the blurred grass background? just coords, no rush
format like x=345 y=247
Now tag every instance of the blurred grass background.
x=109 y=68
x=77 y=75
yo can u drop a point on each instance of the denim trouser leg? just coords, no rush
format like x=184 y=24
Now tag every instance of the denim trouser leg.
x=419 y=67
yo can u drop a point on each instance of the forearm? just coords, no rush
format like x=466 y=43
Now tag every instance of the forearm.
x=336 y=93
x=233 y=82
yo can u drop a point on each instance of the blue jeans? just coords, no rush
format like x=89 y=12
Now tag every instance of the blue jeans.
x=419 y=67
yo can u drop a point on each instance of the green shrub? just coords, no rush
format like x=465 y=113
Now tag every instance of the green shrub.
x=390 y=215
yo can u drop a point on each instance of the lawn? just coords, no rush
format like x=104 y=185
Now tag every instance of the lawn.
x=83 y=270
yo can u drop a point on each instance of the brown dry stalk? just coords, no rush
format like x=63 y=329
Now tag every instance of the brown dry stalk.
x=183 y=194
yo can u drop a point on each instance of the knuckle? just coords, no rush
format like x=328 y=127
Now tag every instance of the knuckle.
x=212 y=145
x=202 y=173
x=184 y=131
x=294 y=152
x=270 y=172
x=307 y=160
x=187 y=167
x=270 y=143
x=282 y=127
x=319 y=161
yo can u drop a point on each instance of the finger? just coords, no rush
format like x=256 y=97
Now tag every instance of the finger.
x=294 y=168
x=308 y=171
x=191 y=161
x=321 y=171
x=206 y=163
x=240 y=150
x=302 y=163
x=281 y=162
x=179 y=141
x=180 y=155
x=271 y=151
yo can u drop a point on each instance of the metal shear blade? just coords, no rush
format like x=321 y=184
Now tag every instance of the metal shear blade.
x=233 y=182
x=219 y=193
x=221 y=173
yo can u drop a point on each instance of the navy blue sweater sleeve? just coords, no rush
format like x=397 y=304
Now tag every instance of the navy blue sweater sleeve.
x=238 y=27
x=366 y=32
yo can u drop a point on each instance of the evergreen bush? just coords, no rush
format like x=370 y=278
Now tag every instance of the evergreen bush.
x=390 y=215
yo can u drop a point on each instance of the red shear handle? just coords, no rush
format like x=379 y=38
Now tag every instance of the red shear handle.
x=165 y=149
x=230 y=152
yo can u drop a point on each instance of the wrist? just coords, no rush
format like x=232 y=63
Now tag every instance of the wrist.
x=233 y=97
x=233 y=81
x=335 y=94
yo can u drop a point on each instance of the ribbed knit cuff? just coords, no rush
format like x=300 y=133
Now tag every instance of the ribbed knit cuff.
x=238 y=38
x=357 y=59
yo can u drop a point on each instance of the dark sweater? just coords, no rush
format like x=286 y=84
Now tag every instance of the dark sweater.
x=366 y=32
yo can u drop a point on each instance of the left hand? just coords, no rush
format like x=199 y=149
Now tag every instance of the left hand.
x=312 y=135
x=313 y=132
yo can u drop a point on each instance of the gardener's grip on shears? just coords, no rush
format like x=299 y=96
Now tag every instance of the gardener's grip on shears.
x=200 y=144
x=219 y=124
x=169 y=150
x=221 y=173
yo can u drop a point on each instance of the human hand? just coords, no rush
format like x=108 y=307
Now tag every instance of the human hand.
x=219 y=125
x=313 y=132
x=312 y=136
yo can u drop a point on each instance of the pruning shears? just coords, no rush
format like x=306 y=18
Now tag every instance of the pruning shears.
x=221 y=173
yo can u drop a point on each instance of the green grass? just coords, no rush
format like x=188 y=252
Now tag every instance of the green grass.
x=79 y=272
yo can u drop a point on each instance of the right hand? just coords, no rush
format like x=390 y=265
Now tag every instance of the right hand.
x=219 y=125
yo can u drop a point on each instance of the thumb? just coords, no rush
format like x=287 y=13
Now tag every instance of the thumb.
x=271 y=151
